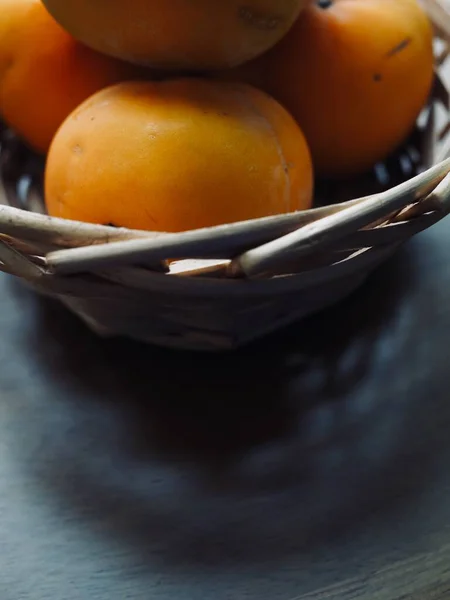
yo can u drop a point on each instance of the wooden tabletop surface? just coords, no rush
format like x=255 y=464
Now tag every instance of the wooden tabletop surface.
x=312 y=466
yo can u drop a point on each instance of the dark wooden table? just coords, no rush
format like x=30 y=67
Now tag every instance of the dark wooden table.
x=313 y=466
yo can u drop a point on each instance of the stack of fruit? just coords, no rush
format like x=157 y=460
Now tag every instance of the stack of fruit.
x=174 y=115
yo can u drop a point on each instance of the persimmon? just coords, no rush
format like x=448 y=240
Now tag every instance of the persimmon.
x=355 y=74
x=180 y=34
x=176 y=155
x=45 y=73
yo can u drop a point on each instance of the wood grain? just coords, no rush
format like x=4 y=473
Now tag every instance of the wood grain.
x=311 y=466
x=423 y=577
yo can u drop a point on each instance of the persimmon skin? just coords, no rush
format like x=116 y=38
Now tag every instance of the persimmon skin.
x=45 y=73
x=177 y=155
x=178 y=34
x=354 y=74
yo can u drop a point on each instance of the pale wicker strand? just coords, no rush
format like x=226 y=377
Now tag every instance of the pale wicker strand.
x=312 y=238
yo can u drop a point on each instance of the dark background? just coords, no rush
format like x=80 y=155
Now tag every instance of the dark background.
x=317 y=458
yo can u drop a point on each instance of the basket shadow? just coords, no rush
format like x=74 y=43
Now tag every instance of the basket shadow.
x=322 y=341
x=207 y=458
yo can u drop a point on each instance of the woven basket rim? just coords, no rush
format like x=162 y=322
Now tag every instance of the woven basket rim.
x=114 y=232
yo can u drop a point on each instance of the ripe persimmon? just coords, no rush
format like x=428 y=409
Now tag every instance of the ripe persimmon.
x=180 y=34
x=176 y=155
x=355 y=74
x=45 y=73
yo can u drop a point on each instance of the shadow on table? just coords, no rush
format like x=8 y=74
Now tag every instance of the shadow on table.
x=237 y=457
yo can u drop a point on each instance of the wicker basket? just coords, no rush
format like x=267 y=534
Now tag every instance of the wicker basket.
x=233 y=283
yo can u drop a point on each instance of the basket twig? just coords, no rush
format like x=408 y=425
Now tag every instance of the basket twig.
x=313 y=237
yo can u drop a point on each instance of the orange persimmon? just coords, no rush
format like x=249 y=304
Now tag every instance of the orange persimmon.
x=177 y=155
x=180 y=34
x=45 y=73
x=355 y=74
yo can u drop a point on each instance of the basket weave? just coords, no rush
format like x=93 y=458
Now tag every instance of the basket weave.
x=230 y=284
